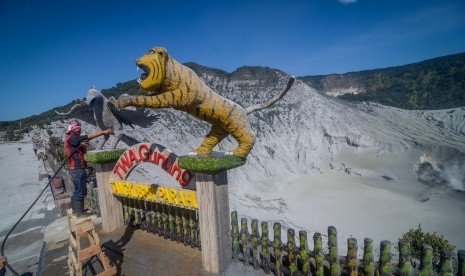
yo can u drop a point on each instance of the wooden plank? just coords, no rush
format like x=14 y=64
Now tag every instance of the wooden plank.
x=95 y=236
x=80 y=220
x=72 y=257
x=77 y=267
x=77 y=220
x=105 y=261
x=111 y=209
x=90 y=238
x=215 y=233
x=72 y=240
x=68 y=216
x=73 y=263
x=70 y=267
x=88 y=252
x=83 y=227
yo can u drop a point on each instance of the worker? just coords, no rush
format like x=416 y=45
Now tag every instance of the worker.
x=76 y=144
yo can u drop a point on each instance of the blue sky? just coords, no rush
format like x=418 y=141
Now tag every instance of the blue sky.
x=52 y=51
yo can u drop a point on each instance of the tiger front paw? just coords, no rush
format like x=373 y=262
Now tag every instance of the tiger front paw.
x=119 y=105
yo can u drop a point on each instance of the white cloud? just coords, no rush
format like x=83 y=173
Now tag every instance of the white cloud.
x=347 y=2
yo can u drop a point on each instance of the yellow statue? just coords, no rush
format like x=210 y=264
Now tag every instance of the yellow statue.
x=171 y=84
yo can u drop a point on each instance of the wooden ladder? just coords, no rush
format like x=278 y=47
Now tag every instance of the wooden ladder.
x=80 y=228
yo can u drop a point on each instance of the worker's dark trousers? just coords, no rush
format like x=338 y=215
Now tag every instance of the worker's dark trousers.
x=79 y=178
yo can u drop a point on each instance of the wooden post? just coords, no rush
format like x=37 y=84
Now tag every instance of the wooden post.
x=318 y=254
x=254 y=243
x=351 y=260
x=291 y=251
x=213 y=202
x=215 y=233
x=235 y=236
x=426 y=264
x=333 y=252
x=277 y=246
x=111 y=209
x=368 y=263
x=303 y=252
x=244 y=241
x=265 y=253
x=446 y=262
x=405 y=268
x=385 y=258
x=461 y=261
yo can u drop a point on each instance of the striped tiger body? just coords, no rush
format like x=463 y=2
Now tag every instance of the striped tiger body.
x=171 y=84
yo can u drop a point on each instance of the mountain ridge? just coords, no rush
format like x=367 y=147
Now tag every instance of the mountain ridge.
x=437 y=83
x=329 y=85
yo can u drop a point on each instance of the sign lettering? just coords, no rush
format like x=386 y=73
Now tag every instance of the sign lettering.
x=157 y=155
x=155 y=193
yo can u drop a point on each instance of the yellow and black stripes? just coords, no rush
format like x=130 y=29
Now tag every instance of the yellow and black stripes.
x=178 y=87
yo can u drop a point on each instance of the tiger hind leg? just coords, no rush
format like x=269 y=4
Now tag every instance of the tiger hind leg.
x=246 y=139
x=213 y=138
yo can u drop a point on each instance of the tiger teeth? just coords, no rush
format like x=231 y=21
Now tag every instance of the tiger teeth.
x=138 y=80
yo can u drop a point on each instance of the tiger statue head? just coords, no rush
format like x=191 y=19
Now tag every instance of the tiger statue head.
x=153 y=63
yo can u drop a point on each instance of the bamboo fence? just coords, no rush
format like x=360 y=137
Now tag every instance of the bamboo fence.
x=172 y=222
x=274 y=256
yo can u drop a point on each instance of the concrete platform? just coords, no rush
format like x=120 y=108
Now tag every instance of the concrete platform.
x=137 y=252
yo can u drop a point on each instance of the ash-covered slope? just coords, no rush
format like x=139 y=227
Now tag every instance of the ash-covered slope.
x=368 y=169
x=305 y=131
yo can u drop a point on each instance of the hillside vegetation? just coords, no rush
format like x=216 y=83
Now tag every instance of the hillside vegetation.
x=15 y=129
x=432 y=84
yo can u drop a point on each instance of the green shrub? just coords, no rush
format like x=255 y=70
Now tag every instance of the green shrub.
x=57 y=149
x=416 y=238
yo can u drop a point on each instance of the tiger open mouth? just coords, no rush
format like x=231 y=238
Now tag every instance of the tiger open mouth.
x=145 y=73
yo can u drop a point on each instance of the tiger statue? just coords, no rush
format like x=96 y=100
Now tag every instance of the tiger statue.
x=170 y=84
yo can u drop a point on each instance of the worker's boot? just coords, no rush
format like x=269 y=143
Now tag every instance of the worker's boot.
x=73 y=205
x=80 y=211
x=79 y=206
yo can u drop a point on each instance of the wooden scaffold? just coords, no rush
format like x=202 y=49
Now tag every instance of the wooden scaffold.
x=84 y=244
